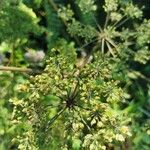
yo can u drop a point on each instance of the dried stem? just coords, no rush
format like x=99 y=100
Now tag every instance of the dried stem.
x=5 y=68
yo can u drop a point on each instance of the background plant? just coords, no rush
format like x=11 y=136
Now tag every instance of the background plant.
x=109 y=36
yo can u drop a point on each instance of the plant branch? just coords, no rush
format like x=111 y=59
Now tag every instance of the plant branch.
x=102 y=46
x=5 y=68
x=117 y=22
x=110 y=49
x=55 y=117
x=121 y=23
x=97 y=24
x=107 y=19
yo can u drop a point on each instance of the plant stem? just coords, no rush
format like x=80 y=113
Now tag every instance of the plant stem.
x=103 y=45
x=5 y=68
x=55 y=117
x=107 y=19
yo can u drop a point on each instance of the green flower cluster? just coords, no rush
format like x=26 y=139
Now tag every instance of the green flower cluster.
x=87 y=6
x=82 y=101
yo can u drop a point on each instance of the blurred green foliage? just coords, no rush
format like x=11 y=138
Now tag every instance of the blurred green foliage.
x=92 y=91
